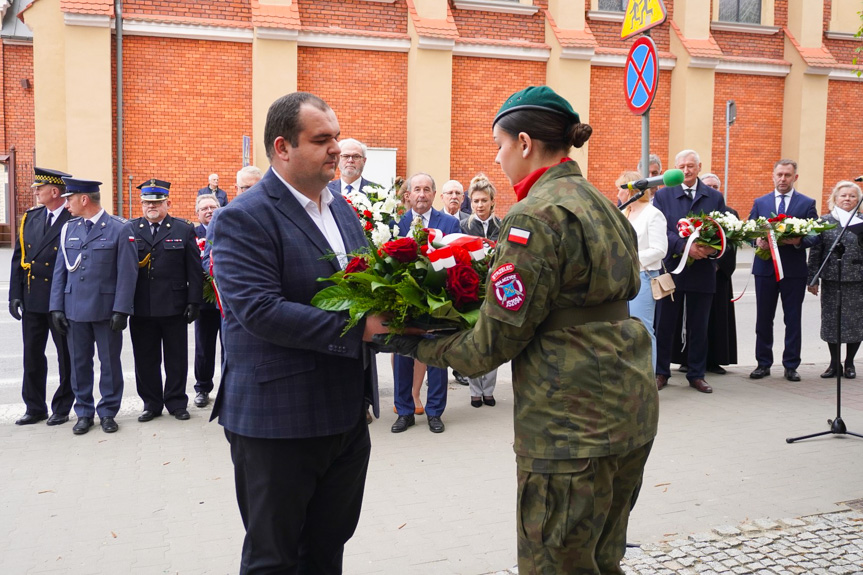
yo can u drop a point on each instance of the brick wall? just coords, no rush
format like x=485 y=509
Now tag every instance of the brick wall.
x=843 y=154
x=479 y=87
x=750 y=45
x=479 y=24
x=229 y=11
x=615 y=145
x=18 y=117
x=355 y=15
x=374 y=107
x=755 y=137
x=187 y=105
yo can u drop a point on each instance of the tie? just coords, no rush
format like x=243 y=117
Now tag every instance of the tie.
x=348 y=189
x=691 y=193
x=155 y=230
x=49 y=221
x=781 y=209
x=88 y=225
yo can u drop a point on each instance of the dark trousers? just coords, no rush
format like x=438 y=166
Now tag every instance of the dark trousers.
x=300 y=499
x=697 y=315
x=403 y=388
x=83 y=337
x=767 y=294
x=35 y=327
x=151 y=338
x=207 y=328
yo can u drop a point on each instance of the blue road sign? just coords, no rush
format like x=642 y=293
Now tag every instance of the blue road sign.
x=642 y=75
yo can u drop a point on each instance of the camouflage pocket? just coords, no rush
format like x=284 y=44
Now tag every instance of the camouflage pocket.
x=556 y=510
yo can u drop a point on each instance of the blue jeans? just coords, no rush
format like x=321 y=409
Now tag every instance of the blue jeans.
x=643 y=306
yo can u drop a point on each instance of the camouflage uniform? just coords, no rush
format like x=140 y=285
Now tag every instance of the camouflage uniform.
x=586 y=405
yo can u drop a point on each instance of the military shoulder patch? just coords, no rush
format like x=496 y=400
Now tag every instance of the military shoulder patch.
x=508 y=287
x=518 y=236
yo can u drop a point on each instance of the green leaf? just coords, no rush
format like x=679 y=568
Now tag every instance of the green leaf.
x=333 y=298
x=412 y=295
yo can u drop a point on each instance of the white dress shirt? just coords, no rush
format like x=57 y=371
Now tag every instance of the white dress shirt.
x=777 y=197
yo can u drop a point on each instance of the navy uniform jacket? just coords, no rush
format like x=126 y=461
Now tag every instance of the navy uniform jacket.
x=793 y=257
x=104 y=280
x=288 y=371
x=438 y=220
x=171 y=278
x=674 y=204
x=40 y=251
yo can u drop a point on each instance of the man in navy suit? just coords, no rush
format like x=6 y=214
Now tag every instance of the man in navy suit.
x=212 y=187
x=784 y=199
x=352 y=162
x=422 y=192
x=92 y=297
x=29 y=296
x=209 y=321
x=696 y=284
x=293 y=387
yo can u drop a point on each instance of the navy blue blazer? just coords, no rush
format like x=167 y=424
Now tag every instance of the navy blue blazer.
x=288 y=371
x=40 y=251
x=674 y=204
x=444 y=222
x=104 y=280
x=336 y=186
x=793 y=258
x=221 y=195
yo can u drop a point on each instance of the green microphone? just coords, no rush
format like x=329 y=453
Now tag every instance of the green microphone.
x=669 y=178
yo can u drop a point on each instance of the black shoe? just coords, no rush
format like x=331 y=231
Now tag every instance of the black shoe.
x=850 y=372
x=717 y=369
x=108 y=424
x=489 y=400
x=683 y=368
x=829 y=373
x=460 y=378
x=476 y=402
x=148 y=415
x=57 y=419
x=792 y=375
x=402 y=423
x=435 y=424
x=83 y=425
x=181 y=414
x=760 y=372
x=28 y=419
x=202 y=399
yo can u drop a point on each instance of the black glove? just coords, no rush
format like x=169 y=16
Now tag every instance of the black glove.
x=118 y=321
x=16 y=308
x=192 y=312
x=405 y=345
x=60 y=323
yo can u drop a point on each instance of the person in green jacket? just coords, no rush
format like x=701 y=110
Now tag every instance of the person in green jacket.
x=586 y=405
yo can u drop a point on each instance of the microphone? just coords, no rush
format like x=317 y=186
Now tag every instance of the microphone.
x=858 y=179
x=669 y=178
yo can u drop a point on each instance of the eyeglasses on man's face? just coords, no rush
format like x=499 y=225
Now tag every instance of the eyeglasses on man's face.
x=354 y=157
x=207 y=209
x=242 y=188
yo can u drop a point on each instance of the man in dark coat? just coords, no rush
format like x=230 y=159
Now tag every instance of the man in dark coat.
x=209 y=321
x=168 y=296
x=29 y=296
x=212 y=187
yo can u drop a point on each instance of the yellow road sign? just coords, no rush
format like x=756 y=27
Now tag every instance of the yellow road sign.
x=642 y=15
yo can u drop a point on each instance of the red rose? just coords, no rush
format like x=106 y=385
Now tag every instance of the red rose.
x=462 y=283
x=424 y=250
x=403 y=250
x=778 y=218
x=367 y=213
x=461 y=255
x=356 y=265
x=368 y=226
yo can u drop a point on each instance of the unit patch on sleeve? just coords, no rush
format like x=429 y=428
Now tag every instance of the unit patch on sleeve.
x=508 y=287
x=518 y=236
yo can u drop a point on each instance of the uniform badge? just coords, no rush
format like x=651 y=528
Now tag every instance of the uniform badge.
x=518 y=236
x=508 y=287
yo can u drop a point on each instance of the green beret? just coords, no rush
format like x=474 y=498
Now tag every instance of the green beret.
x=537 y=98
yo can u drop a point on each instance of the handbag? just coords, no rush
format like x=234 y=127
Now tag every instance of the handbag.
x=662 y=285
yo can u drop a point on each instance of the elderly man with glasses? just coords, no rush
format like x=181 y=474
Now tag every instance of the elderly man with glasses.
x=453 y=200
x=247 y=177
x=352 y=161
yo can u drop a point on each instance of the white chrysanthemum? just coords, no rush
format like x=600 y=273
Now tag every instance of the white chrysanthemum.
x=381 y=234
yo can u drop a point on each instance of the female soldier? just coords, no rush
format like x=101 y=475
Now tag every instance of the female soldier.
x=585 y=405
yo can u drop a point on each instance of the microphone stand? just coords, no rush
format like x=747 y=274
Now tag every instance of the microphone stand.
x=634 y=198
x=837 y=426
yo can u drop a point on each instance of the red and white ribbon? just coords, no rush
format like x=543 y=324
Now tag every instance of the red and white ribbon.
x=774 y=253
x=686 y=226
x=438 y=242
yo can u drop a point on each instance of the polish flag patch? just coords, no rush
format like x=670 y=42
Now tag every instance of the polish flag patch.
x=131 y=238
x=518 y=236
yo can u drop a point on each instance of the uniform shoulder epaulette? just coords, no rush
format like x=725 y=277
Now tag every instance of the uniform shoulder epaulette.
x=74 y=219
x=120 y=219
x=35 y=208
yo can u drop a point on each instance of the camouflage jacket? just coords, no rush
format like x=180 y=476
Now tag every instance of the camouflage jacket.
x=581 y=391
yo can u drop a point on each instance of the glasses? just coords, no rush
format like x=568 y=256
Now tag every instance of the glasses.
x=207 y=209
x=242 y=188
x=354 y=157
x=153 y=202
x=453 y=193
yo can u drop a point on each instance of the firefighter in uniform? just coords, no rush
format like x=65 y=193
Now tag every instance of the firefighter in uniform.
x=168 y=296
x=586 y=405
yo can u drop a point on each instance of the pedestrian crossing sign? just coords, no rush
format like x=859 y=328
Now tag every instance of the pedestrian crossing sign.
x=642 y=15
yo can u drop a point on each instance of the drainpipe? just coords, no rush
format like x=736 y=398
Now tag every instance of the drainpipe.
x=118 y=23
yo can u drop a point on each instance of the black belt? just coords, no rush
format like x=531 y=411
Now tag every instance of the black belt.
x=575 y=316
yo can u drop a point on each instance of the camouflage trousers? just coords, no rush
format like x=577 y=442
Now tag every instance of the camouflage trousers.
x=575 y=523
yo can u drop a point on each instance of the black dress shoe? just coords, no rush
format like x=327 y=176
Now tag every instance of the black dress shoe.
x=57 y=419
x=402 y=423
x=83 y=425
x=202 y=399
x=148 y=415
x=792 y=375
x=760 y=372
x=476 y=402
x=28 y=419
x=829 y=373
x=460 y=378
x=108 y=424
x=181 y=414
x=435 y=424
x=489 y=400
x=717 y=369
x=850 y=372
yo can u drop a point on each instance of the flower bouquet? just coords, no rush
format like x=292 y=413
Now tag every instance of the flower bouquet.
x=783 y=227
x=379 y=210
x=211 y=293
